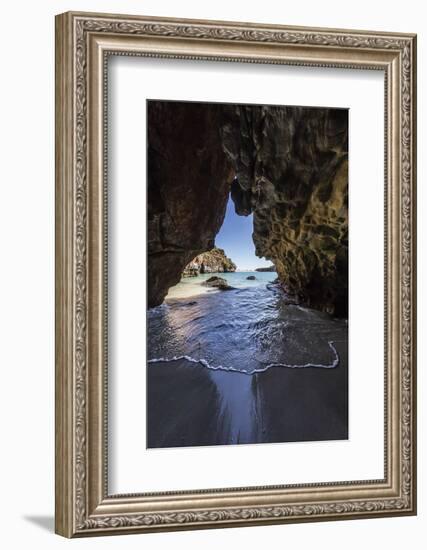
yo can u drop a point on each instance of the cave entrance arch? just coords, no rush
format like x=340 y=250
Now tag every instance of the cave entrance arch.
x=288 y=166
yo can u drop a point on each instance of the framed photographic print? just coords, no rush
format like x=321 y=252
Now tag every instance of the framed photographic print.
x=235 y=274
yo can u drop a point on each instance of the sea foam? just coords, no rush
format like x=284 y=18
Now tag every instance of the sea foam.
x=206 y=364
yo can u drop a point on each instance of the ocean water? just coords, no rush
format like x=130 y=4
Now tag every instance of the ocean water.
x=192 y=286
x=247 y=330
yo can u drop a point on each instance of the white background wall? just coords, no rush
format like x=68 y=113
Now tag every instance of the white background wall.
x=27 y=273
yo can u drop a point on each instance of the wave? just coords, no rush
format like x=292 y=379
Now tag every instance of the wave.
x=206 y=364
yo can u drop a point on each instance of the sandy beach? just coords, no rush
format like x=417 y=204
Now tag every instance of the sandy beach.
x=191 y=405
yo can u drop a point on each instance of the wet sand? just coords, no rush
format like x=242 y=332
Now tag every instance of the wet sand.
x=191 y=405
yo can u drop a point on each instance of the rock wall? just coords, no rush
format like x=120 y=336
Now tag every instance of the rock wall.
x=188 y=185
x=291 y=172
x=286 y=165
x=213 y=261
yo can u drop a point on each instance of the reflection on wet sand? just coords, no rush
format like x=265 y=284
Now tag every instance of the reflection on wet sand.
x=237 y=406
x=191 y=405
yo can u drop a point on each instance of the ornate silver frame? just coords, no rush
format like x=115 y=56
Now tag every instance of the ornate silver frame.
x=83 y=505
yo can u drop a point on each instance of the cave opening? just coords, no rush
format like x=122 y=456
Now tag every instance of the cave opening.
x=229 y=262
x=235 y=237
x=286 y=171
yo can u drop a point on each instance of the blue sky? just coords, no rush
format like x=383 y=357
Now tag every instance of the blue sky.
x=235 y=237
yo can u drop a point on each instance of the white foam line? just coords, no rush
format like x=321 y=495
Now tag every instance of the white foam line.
x=203 y=362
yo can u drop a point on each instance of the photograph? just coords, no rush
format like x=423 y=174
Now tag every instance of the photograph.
x=247 y=273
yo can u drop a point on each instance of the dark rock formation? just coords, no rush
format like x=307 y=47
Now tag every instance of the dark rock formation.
x=286 y=165
x=190 y=271
x=269 y=269
x=251 y=278
x=214 y=261
x=188 y=186
x=291 y=172
x=218 y=282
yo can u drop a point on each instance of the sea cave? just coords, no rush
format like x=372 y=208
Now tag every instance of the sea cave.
x=287 y=166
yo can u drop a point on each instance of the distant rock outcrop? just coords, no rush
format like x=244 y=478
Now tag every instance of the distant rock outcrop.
x=268 y=269
x=214 y=261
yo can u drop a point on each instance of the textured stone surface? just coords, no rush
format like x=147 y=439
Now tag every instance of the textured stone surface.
x=188 y=185
x=213 y=261
x=286 y=165
x=291 y=172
